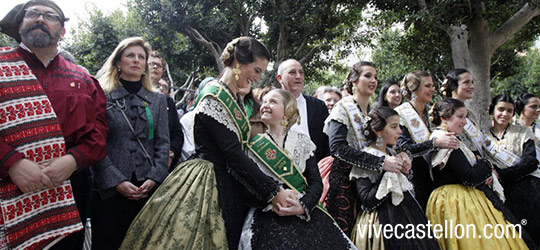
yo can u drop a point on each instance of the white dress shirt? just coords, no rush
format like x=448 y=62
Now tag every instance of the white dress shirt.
x=302 y=107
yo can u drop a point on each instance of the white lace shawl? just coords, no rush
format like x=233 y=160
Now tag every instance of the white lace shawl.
x=390 y=183
x=214 y=108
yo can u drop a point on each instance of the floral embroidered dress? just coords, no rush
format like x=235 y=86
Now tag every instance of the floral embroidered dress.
x=203 y=202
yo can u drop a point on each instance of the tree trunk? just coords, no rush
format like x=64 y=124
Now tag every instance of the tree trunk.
x=480 y=65
x=459 y=38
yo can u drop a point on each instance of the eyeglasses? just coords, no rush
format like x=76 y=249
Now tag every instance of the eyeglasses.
x=49 y=16
x=153 y=64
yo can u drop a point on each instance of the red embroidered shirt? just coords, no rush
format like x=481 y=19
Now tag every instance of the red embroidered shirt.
x=79 y=103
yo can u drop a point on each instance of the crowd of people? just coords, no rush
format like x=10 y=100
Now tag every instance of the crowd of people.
x=250 y=168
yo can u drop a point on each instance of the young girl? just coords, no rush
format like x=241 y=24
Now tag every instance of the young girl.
x=511 y=148
x=287 y=157
x=386 y=197
x=460 y=197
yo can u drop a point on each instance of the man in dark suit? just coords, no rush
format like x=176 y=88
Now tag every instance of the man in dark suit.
x=313 y=112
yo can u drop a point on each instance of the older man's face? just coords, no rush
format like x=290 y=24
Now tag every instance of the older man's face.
x=41 y=31
x=292 y=77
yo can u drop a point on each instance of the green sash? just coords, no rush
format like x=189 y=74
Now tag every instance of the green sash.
x=280 y=164
x=241 y=121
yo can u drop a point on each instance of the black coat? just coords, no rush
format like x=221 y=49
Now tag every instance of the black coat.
x=317 y=113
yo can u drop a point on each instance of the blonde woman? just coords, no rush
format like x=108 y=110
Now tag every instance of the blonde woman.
x=137 y=143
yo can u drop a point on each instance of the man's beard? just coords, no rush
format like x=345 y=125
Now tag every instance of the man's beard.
x=40 y=39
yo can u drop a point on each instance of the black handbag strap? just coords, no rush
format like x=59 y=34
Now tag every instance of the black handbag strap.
x=121 y=107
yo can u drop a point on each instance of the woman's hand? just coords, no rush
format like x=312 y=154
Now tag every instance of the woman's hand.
x=448 y=141
x=130 y=191
x=407 y=162
x=392 y=164
x=294 y=208
x=282 y=197
x=147 y=186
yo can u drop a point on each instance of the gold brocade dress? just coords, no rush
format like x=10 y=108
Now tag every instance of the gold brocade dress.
x=462 y=215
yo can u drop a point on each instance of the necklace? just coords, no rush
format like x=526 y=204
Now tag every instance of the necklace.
x=499 y=135
x=274 y=140
x=360 y=108
x=238 y=98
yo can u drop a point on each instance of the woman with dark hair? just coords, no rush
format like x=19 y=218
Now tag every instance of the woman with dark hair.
x=202 y=204
x=460 y=196
x=344 y=127
x=528 y=109
x=418 y=88
x=459 y=85
x=137 y=143
x=389 y=96
x=288 y=157
x=511 y=149
x=386 y=197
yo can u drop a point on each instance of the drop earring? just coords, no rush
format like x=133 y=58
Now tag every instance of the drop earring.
x=284 y=122
x=444 y=126
x=236 y=71
x=379 y=142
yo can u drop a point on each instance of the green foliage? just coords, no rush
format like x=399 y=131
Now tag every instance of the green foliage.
x=526 y=78
x=95 y=39
x=391 y=61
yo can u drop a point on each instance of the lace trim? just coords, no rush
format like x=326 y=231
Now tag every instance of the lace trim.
x=339 y=114
x=306 y=216
x=213 y=108
x=300 y=149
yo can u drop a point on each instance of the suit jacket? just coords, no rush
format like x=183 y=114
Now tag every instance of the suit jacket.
x=317 y=113
x=125 y=158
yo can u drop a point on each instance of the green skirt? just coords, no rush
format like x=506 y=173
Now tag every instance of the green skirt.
x=183 y=213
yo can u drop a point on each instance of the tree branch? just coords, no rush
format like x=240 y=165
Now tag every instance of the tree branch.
x=425 y=9
x=309 y=54
x=302 y=46
x=512 y=25
x=211 y=45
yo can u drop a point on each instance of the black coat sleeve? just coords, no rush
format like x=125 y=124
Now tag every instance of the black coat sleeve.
x=366 y=193
x=406 y=142
x=175 y=130
x=261 y=186
x=340 y=149
x=527 y=165
x=315 y=186
x=468 y=175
